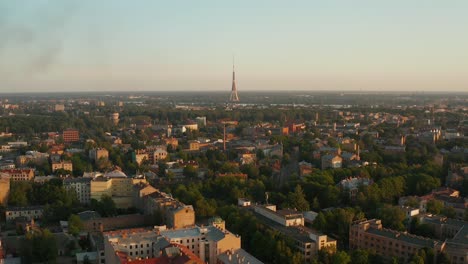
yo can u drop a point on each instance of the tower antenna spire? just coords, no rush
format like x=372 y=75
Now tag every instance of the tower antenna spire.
x=234 y=96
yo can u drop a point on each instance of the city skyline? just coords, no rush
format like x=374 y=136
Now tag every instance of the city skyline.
x=157 y=46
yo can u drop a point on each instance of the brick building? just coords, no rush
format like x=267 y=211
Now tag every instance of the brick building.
x=71 y=135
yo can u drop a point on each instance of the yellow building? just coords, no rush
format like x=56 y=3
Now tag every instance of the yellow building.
x=65 y=165
x=180 y=217
x=194 y=145
x=4 y=189
x=98 y=153
x=19 y=174
x=101 y=186
x=116 y=185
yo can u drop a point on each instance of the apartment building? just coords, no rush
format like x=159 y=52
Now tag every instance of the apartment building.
x=81 y=186
x=290 y=223
x=62 y=165
x=117 y=185
x=370 y=235
x=204 y=242
x=71 y=135
x=19 y=174
x=98 y=153
x=29 y=213
x=4 y=188
x=176 y=214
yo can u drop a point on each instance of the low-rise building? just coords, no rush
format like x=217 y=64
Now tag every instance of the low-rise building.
x=28 y=213
x=62 y=165
x=98 y=154
x=193 y=145
x=19 y=174
x=331 y=161
x=243 y=202
x=285 y=217
x=352 y=185
x=238 y=256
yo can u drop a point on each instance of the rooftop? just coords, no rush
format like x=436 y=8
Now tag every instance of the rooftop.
x=402 y=236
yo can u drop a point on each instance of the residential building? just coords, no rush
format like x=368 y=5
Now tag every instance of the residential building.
x=172 y=141
x=28 y=213
x=305 y=168
x=238 y=256
x=4 y=189
x=71 y=135
x=158 y=154
x=201 y=120
x=93 y=222
x=175 y=213
x=207 y=243
x=193 y=145
x=19 y=174
x=352 y=185
x=98 y=153
x=370 y=235
x=243 y=202
x=238 y=175
x=81 y=186
x=117 y=185
x=331 y=161
x=62 y=165
x=140 y=155
x=285 y=217
x=59 y=108
x=291 y=224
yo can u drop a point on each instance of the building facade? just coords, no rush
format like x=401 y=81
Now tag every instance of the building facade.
x=71 y=135
x=19 y=174
x=81 y=186
x=370 y=235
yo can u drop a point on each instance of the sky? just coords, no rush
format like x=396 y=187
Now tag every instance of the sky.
x=138 y=45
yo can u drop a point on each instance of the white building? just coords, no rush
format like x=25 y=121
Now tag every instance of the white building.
x=29 y=213
x=205 y=242
x=81 y=186
x=285 y=217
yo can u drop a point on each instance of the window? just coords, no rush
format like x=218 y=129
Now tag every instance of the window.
x=130 y=246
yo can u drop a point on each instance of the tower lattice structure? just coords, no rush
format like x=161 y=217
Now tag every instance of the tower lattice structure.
x=234 y=96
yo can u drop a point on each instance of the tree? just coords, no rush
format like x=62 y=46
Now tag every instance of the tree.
x=435 y=206
x=341 y=257
x=392 y=217
x=190 y=171
x=75 y=225
x=105 y=207
x=39 y=246
x=449 y=212
x=297 y=199
x=359 y=257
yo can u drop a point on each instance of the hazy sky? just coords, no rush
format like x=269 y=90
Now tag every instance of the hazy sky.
x=89 y=45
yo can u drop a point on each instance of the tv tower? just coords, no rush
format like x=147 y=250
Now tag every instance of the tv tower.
x=234 y=97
